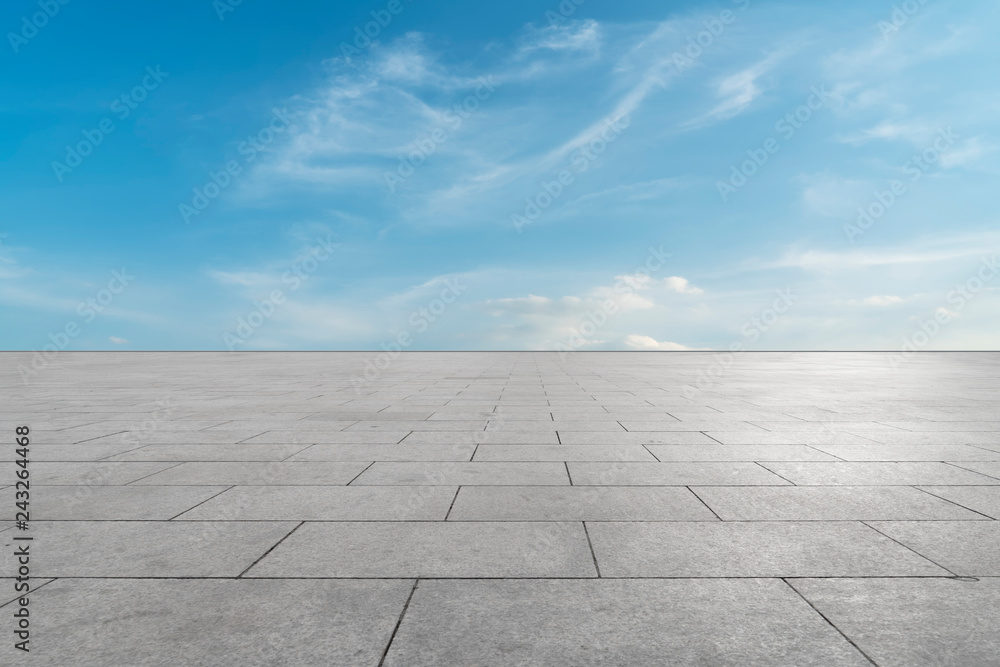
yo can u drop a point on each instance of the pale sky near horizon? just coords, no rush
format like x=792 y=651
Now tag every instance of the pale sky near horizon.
x=627 y=175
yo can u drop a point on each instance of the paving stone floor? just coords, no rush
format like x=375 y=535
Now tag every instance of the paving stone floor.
x=506 y=509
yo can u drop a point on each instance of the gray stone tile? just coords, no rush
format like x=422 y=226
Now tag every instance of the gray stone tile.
x=876 y=473
x=482 y=414
x=10 y=594
x=933 y=426
x=85 y=452
x=990 y=468
x=716 y=425
x=147 y=548
x=938 y=438
x=828 y=426
x=329 y=437
x=209 y=453
x=256 y=473
x=578 y=503
x=829 y=503
x=85 y=473
x=326 y=503
x=909 y=452
x=671 y=474
x=358 y=415
x=738 y=453
x=787 y=438
x=435 y=426
x=431 y=549
x=213 y=622
x=665 y=438
x=116 y=503
x=743 y=414
x=179 y=438
x=456 y=474
x=563 y=453
x=402 y=452
x=757 y=549
x=967 y=548
x=579 y=623
x=984 y=499
x=260 y=422
x=484 y=437
x=562 y=426
x=913 y=622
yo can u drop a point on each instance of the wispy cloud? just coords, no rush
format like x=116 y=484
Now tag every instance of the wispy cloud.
x=738 y=91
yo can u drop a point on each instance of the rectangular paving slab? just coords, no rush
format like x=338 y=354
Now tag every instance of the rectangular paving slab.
x=982 y=499
x=563 y=453
x=926 y=452
x=116 y=503
x=578 y=503
x=146 y=548
x=401 y=452
x=718 y=452
x=830 y=503
x=913 y=622
x=672 y=474
x=257 y=473
x=753 y=549
x=966 y=548
x=413 y=549
x=326 y=503
x=170 y=622
x=453 y=474
x=594 y=623
x=876 y=473
x=60 y=473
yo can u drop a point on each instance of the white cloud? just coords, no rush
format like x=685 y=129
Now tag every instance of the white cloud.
x=877 y=300
x=831 y=196
x=637 y=342
x=117 y=341
x=970 y=151
x=916 y=132
x=927 y=251
x=681 y=285
x=739 y=90
x=581 y=36
x=405 y=61
x=242 y=278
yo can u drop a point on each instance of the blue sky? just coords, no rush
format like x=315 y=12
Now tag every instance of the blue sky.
x=522 y=175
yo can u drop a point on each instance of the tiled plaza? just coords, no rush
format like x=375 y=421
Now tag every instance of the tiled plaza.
x=474 y=509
